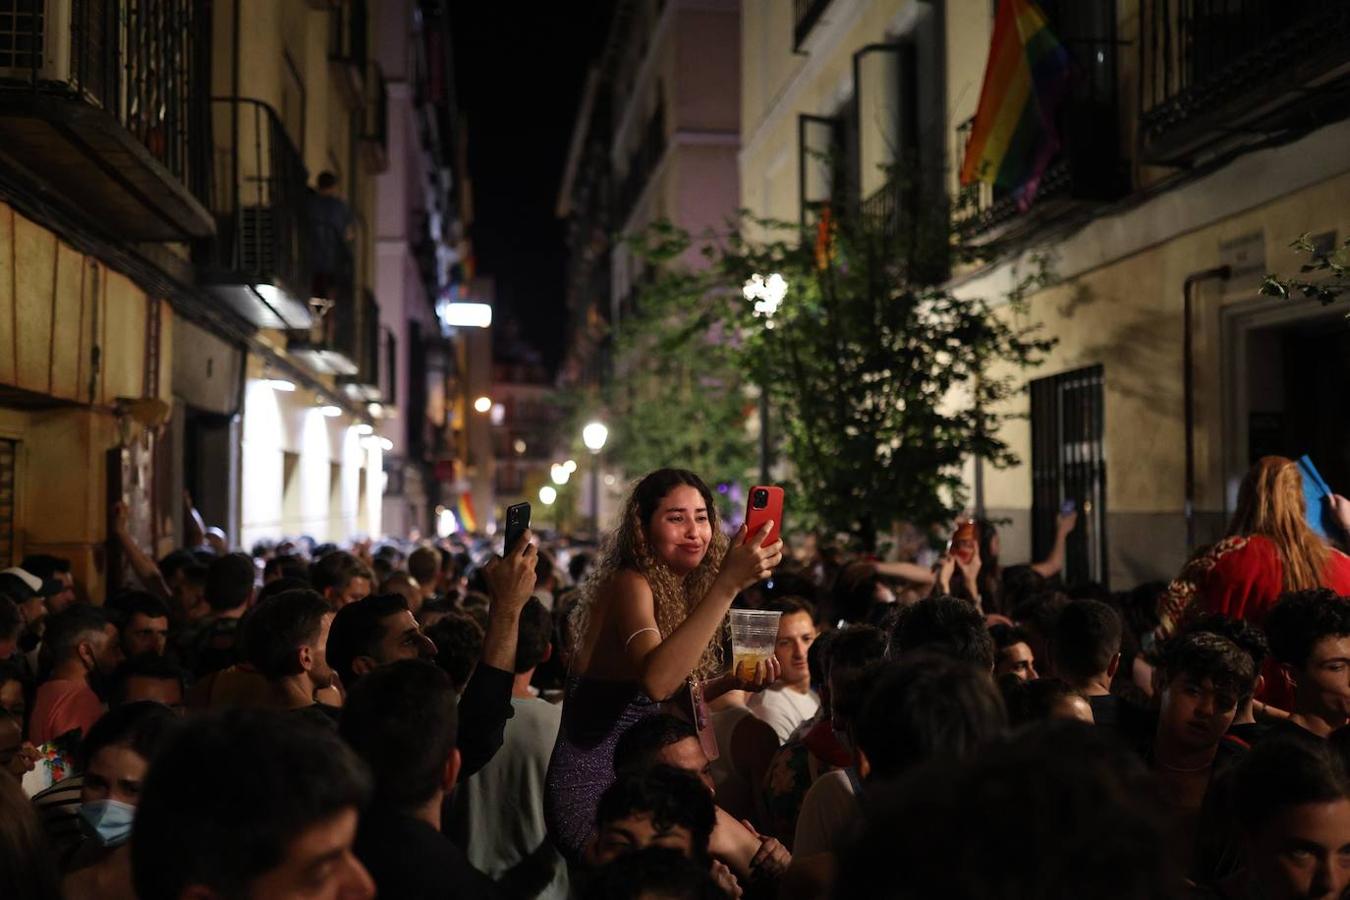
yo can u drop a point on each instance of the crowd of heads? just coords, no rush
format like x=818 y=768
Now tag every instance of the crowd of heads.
x=219 y=729
x=245 y=724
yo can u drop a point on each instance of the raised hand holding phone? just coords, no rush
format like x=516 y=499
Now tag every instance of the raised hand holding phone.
x=766 y=505
x=517 y=521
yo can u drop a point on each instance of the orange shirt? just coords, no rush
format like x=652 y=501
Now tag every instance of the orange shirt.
x=61 y=706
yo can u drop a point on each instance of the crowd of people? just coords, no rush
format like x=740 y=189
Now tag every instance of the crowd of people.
x=558 y=719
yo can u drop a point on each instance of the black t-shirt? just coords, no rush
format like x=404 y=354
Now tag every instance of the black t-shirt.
x=1133 y=725
x=1250 y=733
x=410 y=860
x=214 y=647
x=1287 y=729
x=321 y=713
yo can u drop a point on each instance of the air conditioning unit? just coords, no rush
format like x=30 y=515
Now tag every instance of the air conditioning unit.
x=35 y=40
x=37 y=44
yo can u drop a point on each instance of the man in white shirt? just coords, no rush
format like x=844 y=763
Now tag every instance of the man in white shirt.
x=497 y=814
x=790 y=701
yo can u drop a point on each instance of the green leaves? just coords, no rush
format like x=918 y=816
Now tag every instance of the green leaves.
x=1325 y=290
x=878 y=382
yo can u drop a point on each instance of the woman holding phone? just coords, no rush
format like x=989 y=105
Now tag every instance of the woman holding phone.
x=649 y=623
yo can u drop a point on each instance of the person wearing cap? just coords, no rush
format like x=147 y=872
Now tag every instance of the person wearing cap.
x=52 y=568
x=33 y=596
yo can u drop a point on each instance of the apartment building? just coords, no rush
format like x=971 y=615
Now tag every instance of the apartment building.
x=177 y=315
x=656 y=138
x=1196 y=141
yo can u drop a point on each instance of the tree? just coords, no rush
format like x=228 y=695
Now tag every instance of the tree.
x=879 y=380
x=678 y=394
x=1335 y=263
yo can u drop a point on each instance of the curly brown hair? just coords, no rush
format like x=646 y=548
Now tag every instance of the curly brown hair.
x=627 y=548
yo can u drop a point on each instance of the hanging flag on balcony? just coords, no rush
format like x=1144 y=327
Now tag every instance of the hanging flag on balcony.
x=824 y=238
x=1014 y=137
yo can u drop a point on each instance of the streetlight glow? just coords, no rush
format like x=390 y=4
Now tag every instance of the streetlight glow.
x=331 y=411
x=766 y=294
x=570 y=466
x=594 y=436
x=559 y=474
x=482 y=404
x=547 y=494
x=462 y=314
x=280 y=384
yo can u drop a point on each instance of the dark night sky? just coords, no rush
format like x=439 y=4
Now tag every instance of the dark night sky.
x=519 y=71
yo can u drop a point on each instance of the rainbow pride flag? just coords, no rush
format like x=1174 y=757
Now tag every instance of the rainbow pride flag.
x=1014 y=135
x=467 y=520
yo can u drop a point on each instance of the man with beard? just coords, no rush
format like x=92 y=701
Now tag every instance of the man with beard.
x=84 y=648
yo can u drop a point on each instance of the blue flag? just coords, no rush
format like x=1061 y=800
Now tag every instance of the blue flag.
x=1316 y=497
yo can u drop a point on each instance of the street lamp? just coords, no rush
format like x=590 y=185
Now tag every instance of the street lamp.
x=559 y=474
x=548 y=495
x=482 y=404
x=594 y=436
x=767 y=296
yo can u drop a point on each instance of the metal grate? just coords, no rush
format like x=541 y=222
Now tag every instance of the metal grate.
x=21 y=34
x=9 y=451
x=1068 y=462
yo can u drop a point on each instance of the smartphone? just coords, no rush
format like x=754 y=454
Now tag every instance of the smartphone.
x=766 y=502
x=517 y=520
x=1067 y=507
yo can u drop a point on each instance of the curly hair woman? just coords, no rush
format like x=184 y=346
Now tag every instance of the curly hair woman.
x=650 y=619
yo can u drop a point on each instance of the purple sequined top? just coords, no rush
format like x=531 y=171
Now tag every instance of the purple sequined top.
x=595 y=714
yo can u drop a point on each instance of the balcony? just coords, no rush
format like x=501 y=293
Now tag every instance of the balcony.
x=1090 y=167
x=375 y=122
x=805 y=15
x=348 y=48
x=258 y=262
x=336 y=341
x=1218 y=74
x=104 y=102
x=366 y=384
x=912 y=229
x=643 y=163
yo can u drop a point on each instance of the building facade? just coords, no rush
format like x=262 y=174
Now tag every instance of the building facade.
x=184 y=308
x=1193 y=150
x=656 y=139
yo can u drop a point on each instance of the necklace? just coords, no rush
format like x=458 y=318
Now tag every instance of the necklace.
x=1184 y=770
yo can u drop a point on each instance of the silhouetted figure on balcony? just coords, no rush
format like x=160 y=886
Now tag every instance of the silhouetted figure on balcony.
x=331 y=231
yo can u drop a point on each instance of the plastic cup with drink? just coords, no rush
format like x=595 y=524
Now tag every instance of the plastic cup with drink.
x=754 y=633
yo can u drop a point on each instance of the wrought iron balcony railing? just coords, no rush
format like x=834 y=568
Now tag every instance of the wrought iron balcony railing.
x=1090 y=165
x=642 y=163
x=1218 y=73
x=121 y=82
x=913 y=229
x=258 y=261
x=805 y=15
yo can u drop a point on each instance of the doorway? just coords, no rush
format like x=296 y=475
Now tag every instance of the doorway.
x=1289 y=368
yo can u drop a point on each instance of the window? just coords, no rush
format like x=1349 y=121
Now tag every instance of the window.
x=1068 y=464
x=822 y=155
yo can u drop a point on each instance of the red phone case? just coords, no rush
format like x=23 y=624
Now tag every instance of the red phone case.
x=755 y=518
